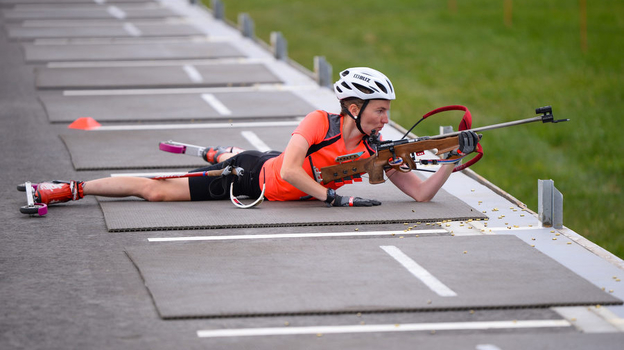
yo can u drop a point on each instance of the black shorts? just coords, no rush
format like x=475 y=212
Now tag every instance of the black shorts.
x=218 y=187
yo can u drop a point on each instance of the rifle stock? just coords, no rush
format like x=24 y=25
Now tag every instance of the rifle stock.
x=378 y=163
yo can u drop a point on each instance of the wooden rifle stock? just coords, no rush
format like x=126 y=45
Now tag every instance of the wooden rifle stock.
x=379 y=162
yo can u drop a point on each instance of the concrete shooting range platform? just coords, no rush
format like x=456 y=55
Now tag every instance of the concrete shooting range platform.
x=473 y=268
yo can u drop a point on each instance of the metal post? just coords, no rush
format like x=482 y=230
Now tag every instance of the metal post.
x=246 y=25
x=279 y=45
x=218 y=9
x=550 y=204
x=323 y=71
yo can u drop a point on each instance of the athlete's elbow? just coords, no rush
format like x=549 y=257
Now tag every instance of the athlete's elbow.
x=423 y=198
x=287 y=174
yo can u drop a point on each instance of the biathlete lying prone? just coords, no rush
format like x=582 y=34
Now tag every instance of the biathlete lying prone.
x=365 y=96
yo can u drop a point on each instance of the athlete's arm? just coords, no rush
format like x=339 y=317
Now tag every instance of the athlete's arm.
x=413 y=186
x=292 y=168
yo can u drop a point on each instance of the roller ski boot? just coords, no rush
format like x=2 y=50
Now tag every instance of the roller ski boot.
x=209 y=154
x=39 y=196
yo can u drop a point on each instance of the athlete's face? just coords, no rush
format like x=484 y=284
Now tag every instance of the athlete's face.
x=375 y=115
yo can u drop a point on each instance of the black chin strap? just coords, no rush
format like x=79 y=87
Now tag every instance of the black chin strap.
x=357 y=120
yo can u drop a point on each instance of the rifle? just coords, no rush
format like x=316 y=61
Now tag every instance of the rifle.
x=399 y=154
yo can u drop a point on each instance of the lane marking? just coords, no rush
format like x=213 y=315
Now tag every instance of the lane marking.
x=123 y=92
x=132 y=29
x=419 y=272
x=410 y=327
x=216 y=104
x=116 y=12
x=255 y=141
x=196 y=126
x=487 y=347
x=193 y=73
x=293 y=235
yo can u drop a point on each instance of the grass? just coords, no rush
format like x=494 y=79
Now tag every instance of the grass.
x=437 y=54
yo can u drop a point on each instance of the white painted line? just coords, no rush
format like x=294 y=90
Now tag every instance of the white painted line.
x=294 y=235
x=193 y=73
x=410 y=327
x=487 y=347
x=132 y=29
x=196 y=126
x=124 y=92
x=116 y=12
x=419 y=272
x=255 y=141
x=99 y=2
x=216 y=104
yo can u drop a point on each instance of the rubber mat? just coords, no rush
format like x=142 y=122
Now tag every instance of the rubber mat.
x=154 y=77
x=149 y=51
x=337 y=276
x=175 y=107
x=69 y=2
x=117 y=30
x=138 y=149
x=139 y=215
x=117 y=12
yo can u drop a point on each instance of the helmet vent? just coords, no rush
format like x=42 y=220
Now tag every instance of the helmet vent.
x=381 y=87
x=363 y=89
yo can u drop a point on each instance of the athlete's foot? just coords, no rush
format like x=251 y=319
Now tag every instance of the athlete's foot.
x=59 y=191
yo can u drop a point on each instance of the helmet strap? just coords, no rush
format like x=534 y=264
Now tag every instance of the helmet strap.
x=357 y=119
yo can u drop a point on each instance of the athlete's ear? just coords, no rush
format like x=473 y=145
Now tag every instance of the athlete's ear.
x=354 y=109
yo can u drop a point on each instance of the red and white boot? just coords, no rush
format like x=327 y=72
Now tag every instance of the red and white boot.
x=59 y=191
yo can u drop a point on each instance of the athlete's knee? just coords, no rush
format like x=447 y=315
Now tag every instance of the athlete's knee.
x=154 y=191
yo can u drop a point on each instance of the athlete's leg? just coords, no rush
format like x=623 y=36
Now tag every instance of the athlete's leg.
x=148 y=189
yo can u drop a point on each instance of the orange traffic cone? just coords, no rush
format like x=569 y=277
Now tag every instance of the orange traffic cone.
x=85 y=123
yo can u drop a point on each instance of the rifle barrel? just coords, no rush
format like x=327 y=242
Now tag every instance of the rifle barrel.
x=491 y=127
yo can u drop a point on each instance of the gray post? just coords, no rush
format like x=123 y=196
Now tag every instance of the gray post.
x=323 y=71
x=218 y=9
x=550 y=204
x=246 y=25
x=279 y=45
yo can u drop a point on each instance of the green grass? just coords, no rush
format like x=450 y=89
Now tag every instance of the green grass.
x=436 y=56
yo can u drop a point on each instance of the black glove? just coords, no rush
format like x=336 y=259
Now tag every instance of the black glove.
x=343 y=201
x=468 y=141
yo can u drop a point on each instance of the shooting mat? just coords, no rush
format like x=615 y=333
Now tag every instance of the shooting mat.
x=139 y=215
x=115 y=12
x=197 y=75
x=114 y=30
x=336 y=276
x=130 y=51
x=174 y=107
x=138 y=149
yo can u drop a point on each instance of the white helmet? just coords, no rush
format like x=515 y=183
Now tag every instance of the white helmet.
x=364 y=83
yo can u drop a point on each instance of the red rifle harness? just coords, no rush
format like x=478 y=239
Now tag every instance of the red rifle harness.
x=465 y=124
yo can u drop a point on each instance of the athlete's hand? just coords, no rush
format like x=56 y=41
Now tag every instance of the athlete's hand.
x=343 y=201
x=468 y=141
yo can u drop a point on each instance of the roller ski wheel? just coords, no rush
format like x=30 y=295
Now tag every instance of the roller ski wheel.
x=32 y=208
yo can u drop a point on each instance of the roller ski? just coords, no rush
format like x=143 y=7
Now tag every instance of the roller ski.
x=39 y=196
x=209 y=154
